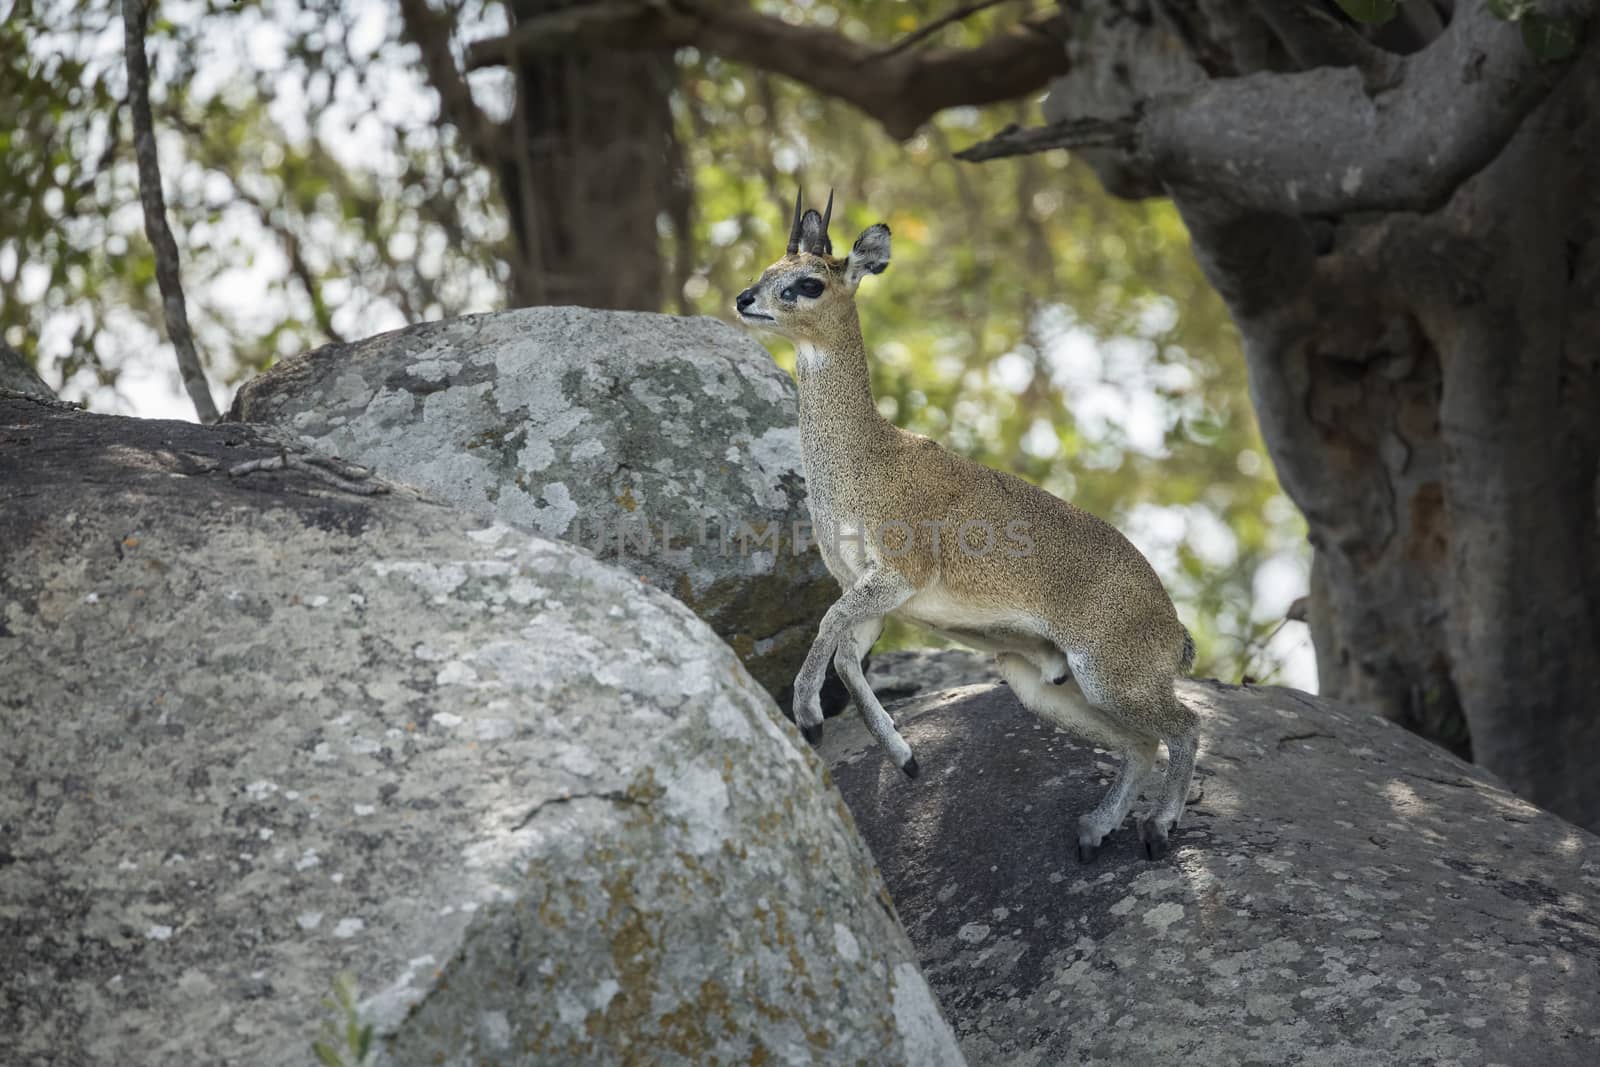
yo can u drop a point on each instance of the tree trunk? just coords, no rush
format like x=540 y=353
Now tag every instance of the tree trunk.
x=589 y=165
x=1427 y=389
x=1422 y=343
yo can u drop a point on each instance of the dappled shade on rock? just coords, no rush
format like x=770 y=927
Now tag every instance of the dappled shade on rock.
x=1340 y=891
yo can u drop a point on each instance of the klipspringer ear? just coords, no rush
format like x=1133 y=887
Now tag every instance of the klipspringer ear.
x=869 y=255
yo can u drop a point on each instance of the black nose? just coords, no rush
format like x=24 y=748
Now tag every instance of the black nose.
x=745 y=299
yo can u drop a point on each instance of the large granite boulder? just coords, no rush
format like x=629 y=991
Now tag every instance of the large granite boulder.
x=263 y=728
x=1340 y=892
x=667 y=445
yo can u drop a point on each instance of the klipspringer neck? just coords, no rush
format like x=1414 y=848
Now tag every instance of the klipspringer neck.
x=838 y=414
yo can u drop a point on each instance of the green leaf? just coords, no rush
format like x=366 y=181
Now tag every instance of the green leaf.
x=345 y=989
x=1373 y=12
x=1550 y=40
x=1511 y=10
x=327 y=1054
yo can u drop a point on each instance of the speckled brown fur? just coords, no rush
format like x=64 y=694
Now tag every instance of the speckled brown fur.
x=1080 y=623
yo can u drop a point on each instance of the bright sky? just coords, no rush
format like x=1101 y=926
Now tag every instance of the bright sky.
x=149 y=386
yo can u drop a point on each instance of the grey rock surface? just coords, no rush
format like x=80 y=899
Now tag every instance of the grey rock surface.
x=609 y=429
x=1340 y=892
x=259 y=731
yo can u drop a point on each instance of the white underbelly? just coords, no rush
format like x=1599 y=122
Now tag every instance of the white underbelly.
x=984 y=627
x=1007 y=632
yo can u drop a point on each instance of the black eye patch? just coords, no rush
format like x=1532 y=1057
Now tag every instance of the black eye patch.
x=811 y=287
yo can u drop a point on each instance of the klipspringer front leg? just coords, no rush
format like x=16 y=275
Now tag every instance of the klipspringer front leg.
x=847 y=661
x=875 y=594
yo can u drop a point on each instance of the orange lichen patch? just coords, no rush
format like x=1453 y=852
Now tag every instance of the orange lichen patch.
x=688 y=1028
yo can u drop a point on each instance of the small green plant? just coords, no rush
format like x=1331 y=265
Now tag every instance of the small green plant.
x=345 y=1040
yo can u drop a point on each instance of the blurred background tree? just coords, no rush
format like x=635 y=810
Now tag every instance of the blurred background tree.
x=336 y=169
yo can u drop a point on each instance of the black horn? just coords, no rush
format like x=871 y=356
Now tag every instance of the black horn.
x=794 y=231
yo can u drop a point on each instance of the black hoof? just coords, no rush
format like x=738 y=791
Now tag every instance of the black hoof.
x=813 y=734
x=911 y=769
x=1087 y=852
x=1154 y=840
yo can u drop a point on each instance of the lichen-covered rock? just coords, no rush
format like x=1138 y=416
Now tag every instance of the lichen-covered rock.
x=259 y=731
x=1340 y=892
x=668 y=445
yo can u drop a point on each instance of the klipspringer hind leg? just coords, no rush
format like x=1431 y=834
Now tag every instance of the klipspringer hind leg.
x=1065 y=705
x=1163 y=817
x=1095 y=826
x=847 y=661
x=1152 y=707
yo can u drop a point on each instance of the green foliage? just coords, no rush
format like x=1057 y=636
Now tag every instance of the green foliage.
x=1373 y=12
x=1512 y=10
x=1550 y=40
x=308 y=204
x=345 y=1040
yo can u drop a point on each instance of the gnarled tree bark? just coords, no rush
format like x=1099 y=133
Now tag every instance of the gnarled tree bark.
x=1419 y=319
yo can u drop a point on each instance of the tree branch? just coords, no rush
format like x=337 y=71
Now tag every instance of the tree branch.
x=1016 y=140
x=155 y=214
x=1320 y=142
x=922 y=33
x=328 y=469
x=297 y=264
x=901 y=90
x=1316 y=37
x=291 y=244
x=430 y=31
